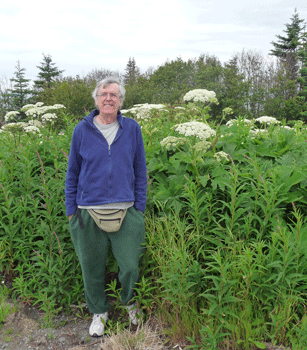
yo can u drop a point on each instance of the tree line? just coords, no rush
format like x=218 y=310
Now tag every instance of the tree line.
x=249 y=83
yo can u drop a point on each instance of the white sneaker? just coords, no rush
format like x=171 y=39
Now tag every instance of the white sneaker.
x=134 y=313
x=97 y=325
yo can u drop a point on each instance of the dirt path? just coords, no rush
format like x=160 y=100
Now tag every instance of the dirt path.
x=23 y=330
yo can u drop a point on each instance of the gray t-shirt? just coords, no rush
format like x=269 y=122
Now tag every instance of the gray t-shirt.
x=109 y=131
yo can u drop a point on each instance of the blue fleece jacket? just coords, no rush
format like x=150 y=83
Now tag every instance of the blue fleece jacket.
x=101 y=174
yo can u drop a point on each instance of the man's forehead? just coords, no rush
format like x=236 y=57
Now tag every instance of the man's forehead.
x=110 y=87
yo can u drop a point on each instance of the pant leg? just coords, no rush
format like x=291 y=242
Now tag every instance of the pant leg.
x=92 y=246
x=128 y=245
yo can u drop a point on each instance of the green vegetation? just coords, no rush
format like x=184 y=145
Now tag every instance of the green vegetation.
x=226 y=263
x=5 y=307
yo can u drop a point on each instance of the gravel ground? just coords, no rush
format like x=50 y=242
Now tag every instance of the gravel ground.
x=23 y=330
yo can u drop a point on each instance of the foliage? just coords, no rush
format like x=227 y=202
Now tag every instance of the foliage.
x=74 y=94
x=5 y=307
x=6 y=103
x=287 y=47
x=226 y=234
x=171 y=80
x=132 y=72
x=302 y=80
x=234 y=88
x=225 y=265
x=20 y=92
x=37 y=252
x=46 y=76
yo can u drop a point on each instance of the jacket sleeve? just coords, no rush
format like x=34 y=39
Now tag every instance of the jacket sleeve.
x=140 y=173
x=72 y=175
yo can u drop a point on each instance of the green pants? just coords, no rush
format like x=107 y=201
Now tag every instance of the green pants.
x=92 y=247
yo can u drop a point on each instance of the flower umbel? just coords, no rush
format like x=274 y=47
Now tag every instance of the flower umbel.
x=202 y=95
x=202 y=146
x=219 y=156
x=170 y=142
x=267 y=120
x=10 y=115
x=48 y=117
x=194 y=128
x=143 y=111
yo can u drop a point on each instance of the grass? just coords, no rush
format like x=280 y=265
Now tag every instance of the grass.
x=146 y=336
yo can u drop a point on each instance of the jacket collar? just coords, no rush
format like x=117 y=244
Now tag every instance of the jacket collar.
x=90 y=117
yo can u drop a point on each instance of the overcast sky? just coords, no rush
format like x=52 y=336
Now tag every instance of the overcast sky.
x=82 y=35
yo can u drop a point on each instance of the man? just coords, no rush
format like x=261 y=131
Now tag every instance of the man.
x=105 y=197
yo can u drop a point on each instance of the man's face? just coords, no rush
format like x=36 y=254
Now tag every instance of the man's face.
x=107 y=99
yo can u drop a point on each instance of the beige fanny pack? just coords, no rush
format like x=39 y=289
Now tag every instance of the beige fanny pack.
x=109 y=220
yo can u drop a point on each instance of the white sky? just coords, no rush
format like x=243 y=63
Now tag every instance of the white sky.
x=82 y=35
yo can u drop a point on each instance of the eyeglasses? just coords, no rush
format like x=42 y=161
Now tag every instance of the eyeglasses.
x=113 y=95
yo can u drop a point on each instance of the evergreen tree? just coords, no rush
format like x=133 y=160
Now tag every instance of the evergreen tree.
x=132 y=72
x=233 y=88
x=287 y=47
x=302 y=80
x=20 y=92
x=48 y=73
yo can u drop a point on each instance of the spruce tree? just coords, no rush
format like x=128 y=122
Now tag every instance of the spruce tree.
x=132 y=72
x=287 y=47
x=302 y=79
x=20 y=92
x=48 y=73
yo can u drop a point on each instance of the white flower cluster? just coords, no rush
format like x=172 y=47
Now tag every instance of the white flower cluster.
x=35 y=122
x=143 y=111
x=10 y=115
x=236 y=121
x=287 y=127
x=170 y=142
x=39 y=109
x=48 y=117
x=257 y=131
x=34 y=111
x=202 y=146
x=202 y=95
x=12 y=127
x=219 y=156
x=194 y=128
x=228 y=111
x=31 y=129
x=267 y=120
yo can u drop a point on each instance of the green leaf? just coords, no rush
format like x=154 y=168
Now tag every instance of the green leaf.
x=259 y=344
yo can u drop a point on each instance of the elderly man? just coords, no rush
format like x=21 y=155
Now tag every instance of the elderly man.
x=105 y=197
